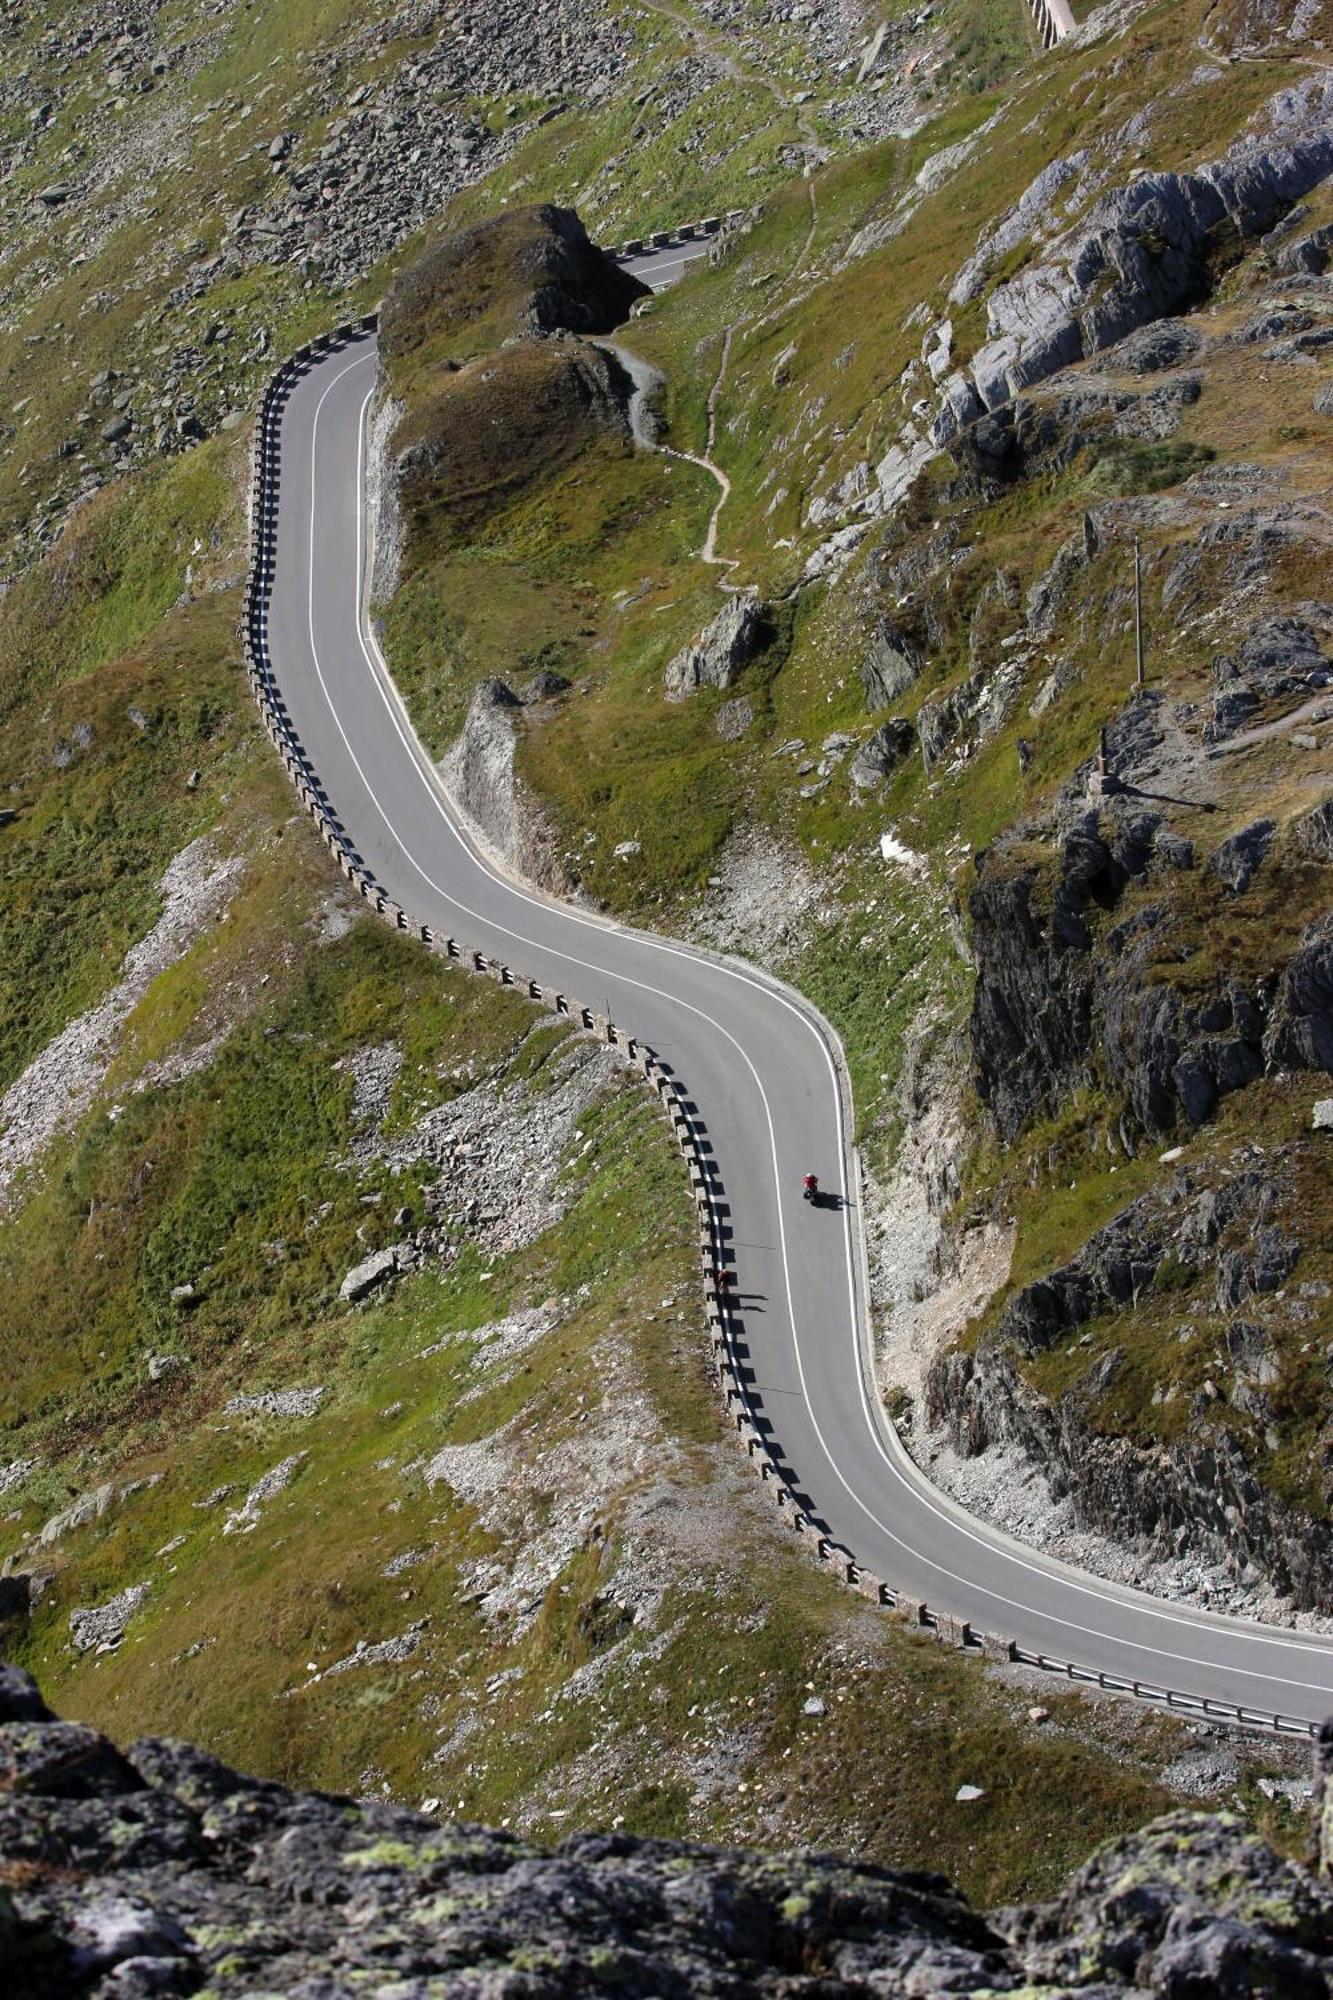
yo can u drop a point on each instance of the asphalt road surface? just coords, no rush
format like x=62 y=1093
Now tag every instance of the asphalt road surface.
x=758 y=1066
x=660 y=268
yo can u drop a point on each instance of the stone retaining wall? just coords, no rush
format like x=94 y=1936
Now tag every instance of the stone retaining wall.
x=1054 y=20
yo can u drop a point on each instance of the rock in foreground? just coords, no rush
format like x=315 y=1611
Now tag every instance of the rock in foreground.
x=160 y=1871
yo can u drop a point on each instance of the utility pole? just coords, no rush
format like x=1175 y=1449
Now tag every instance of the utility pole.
x=1138 y=616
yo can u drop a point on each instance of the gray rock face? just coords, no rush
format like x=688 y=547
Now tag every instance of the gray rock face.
x=1228 y=1243
x=1045 y=432
x=1306 y=255
x=1280 y=656
x=1056 y=1011
x=1313 y=835
x=1238 y=860
x=890 y=666
x=479 y=772
x=976 y=708
x=1145 y=252
x=1300 y=1030
x=164 y=1872
x=727 y=644
x=882 y=753
x=545 y=686
x=1164 y=345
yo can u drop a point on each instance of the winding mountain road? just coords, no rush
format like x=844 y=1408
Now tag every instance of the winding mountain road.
x=761 y=1071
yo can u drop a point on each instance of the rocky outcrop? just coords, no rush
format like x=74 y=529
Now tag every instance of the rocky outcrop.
x=371 y=1272
x=1238 y=860
x=480 y=777
x=482 y=335
x=1278 y=657
x=729 y=642
x=891 y=664
x=161 y=1871
x=536 y=266
x=1163 y=345
x=486 y=434
x=1299 y=1031
x=1158 y=1914
x=1198 y=1495
x=1142 y=253
x=1067 y=999
x=1031 y=1023
x=1045 y=432
x=1223 y=1246
x=882 y=752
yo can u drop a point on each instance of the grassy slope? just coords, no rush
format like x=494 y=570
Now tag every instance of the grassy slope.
x=107 y=626
x=617 y=763
x=194 y=1177
x=694 y=1724
x=192 y=1182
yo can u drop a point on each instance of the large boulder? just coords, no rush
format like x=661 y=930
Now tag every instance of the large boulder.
x=890 y=666
x=728 y=643
x=882 y=752
x=371 y=1272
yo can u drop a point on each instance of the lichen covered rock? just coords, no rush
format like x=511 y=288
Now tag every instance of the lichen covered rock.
x=164 y=1872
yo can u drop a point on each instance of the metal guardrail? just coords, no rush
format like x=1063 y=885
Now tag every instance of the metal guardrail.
x=665 y=239
x=743 y=1416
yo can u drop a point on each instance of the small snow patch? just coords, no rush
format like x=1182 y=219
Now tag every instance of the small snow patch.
x=893 y=850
